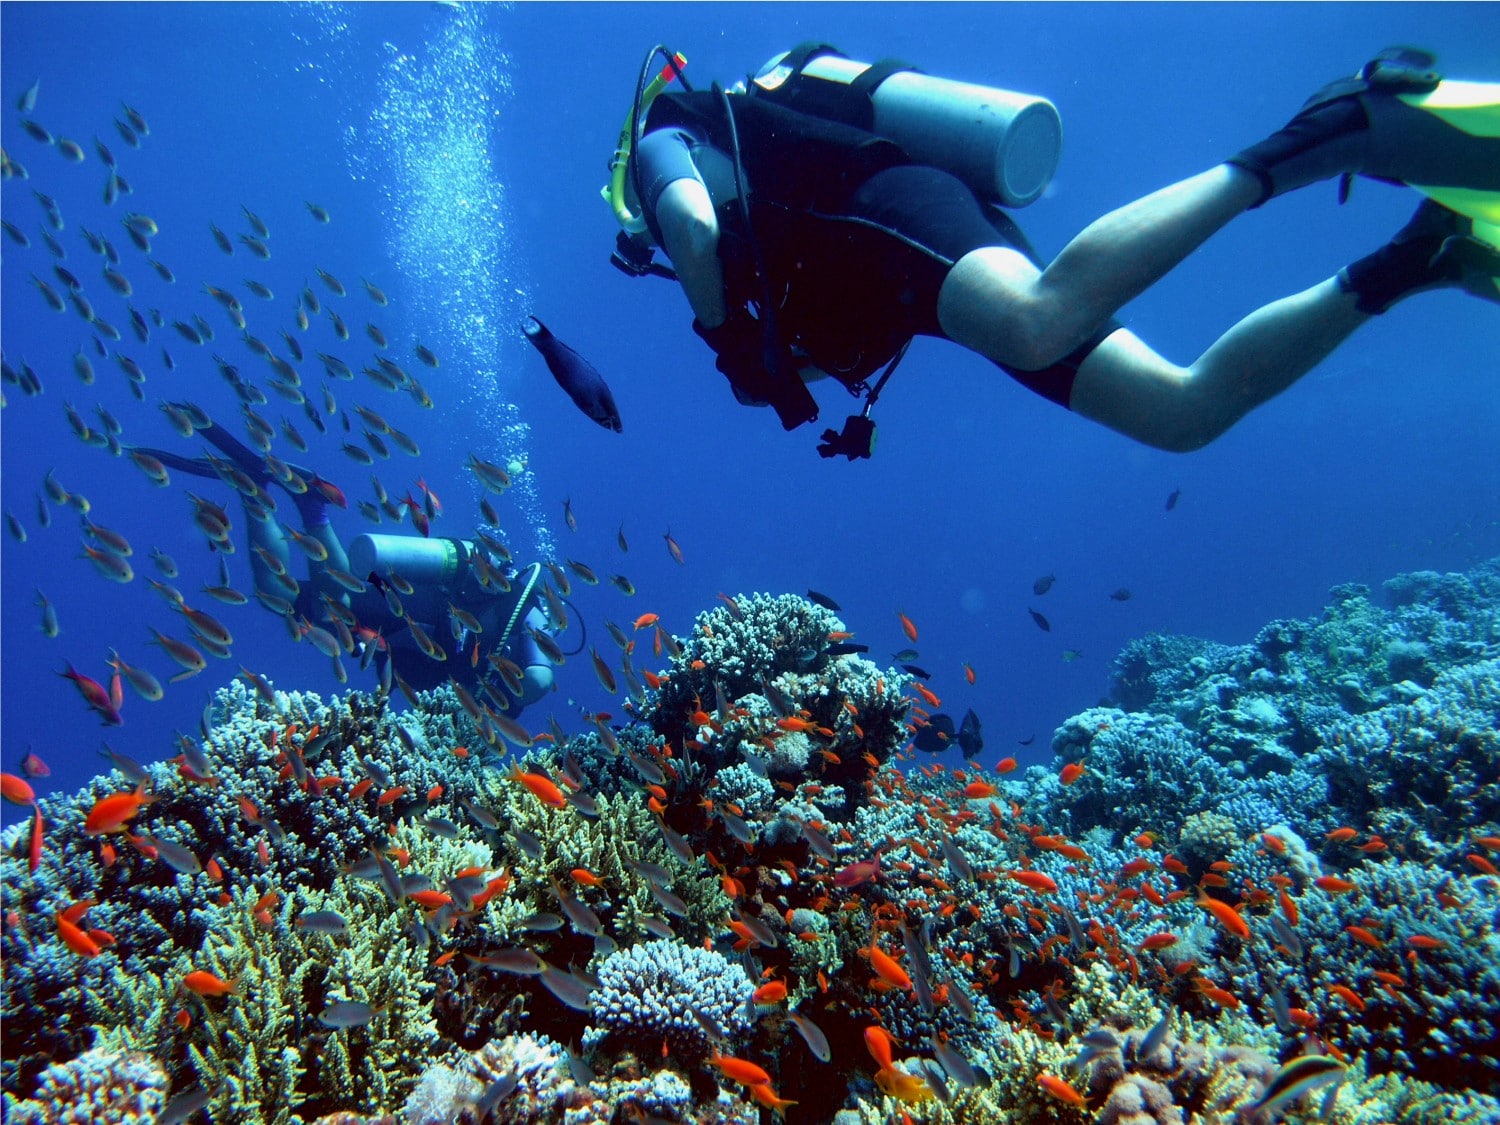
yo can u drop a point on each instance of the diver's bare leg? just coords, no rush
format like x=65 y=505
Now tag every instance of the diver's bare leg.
x=997 y=303
x=1126 y=386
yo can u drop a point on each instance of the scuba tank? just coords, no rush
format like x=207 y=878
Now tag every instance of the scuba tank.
x=434 y=567
x=1004 y=145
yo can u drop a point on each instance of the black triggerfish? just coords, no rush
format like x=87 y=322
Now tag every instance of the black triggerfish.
x=576 y=375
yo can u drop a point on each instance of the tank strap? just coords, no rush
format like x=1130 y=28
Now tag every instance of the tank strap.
x=804 y=53
x=867 y=82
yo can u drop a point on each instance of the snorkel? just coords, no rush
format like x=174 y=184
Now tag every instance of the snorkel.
x=620 y=164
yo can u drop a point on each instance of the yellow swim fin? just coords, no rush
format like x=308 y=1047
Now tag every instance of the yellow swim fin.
x=1473 y=108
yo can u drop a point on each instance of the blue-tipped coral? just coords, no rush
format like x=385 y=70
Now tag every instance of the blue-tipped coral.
x=98 y=1087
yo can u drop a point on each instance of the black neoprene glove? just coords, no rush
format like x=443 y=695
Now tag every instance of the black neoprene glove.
x=740 y=344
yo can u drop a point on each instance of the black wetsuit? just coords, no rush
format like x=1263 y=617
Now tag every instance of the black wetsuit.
x=857 y=238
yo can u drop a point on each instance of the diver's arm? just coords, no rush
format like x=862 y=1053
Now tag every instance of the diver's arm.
x=690 y=229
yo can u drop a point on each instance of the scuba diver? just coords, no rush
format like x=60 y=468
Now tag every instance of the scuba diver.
x=829 y=211
x=401 y=596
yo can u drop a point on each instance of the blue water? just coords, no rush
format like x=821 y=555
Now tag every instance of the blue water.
x=460 y=153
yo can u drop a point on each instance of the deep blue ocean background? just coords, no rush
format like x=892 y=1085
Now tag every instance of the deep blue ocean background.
x=460 y=153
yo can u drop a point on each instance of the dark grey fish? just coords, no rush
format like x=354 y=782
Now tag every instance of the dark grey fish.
x=669 y=902
x=1287 y=936
x=184 y=1105
x=514 y=959
x=1041 y=622
x=134 y=772
x=932 y=1073
x=566 y=987
x=497 y=1091
x=812 y=1035
x=1300 y=1076
x=917 y=671
x=844 y=648
x=1121 y=595
x=574 y=374
x=345 y=1014
x=175 y=856
x=657 y=927
x=1172 y=498
x=819 y=843
x=826 y=602
x=970 y=740
x=541 y=923
x=1043 y=584
x=958 y=863
x=1155 y=1038
x=323 y=921
x=936 y=734
x=955 y=1064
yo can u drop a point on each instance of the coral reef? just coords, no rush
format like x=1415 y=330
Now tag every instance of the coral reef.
x=1268 y=843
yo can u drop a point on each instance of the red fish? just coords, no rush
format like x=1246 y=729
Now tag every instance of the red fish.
x=1071 y=773
x=907 y=626
x=1060 y=1090
x=857 y=873
x=739 y=1070
x=1226 y=916
x=16 y=790
x=329 y=491
x=113 y=813
x=32 y=766
x=34 y=851
x=95 y=694
x=541 y=787
x=886 y=967
x=673 y=549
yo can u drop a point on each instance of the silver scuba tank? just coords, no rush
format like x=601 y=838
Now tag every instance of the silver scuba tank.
x=434 y=567
x=1004 y=145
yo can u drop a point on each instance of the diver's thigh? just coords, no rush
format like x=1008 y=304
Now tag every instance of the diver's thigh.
x=984 y=305
x=1125 y=385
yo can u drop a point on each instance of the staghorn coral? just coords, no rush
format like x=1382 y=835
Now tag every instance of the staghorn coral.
x=99 y=1087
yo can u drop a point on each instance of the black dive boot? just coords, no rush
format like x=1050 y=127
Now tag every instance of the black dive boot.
x=1360 y=126
x=1434 y=250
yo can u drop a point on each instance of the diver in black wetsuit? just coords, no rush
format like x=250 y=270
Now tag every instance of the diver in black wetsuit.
x=443 y=587
x=830 y=211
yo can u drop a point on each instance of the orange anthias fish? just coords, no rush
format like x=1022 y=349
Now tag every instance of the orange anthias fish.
x=113 y=813
x=1036 y=880
x=1060 y=1090
x=1226 y=916
x=542 y=788
x=16 y=790
x=886 y=966
x=74 y=936
x=907 y=626
x=206 y=984
x=772 y=992
x=739 y=1070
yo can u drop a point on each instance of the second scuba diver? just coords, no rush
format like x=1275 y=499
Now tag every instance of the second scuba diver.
x=425 y=610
